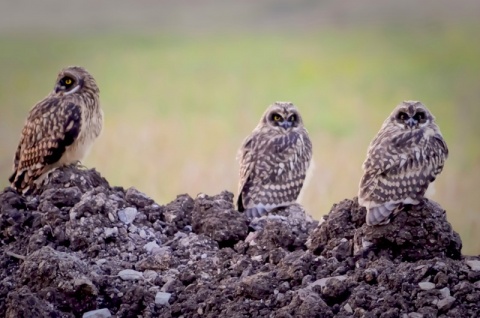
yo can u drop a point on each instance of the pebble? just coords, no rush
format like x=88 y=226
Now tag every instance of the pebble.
x=446 y=303
x=150 y=275
x=127 y=215
x=348 y=308
x=474 y=265
x=130 y=274
x=323 y=281
x=162 y=298
x=445 y=292
x=150 y=246
x=426 y=285
x=110 y=231
x=99 y=313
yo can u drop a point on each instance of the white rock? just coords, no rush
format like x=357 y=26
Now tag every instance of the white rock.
x=127 y=215
x=110 y=231
x=161 y=298
x=130 y=274
x=257 y=258
x=446 y=303
x=99 y=313
x=150 y=246
x=426 y=285
x=474 y=265
x=348 y=308
x=142 y=234
x=445 y=292
x=100 y=261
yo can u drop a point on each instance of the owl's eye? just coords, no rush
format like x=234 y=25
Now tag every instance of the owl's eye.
x=292 y=118
x=402 y=116
x=66 y=81
x=420 y=117
x=276 y=117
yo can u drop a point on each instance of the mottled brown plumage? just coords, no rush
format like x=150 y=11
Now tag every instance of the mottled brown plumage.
x=59 y=130
x=274 y=161
x=402 y=160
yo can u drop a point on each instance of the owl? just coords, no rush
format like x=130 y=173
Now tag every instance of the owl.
x=274 y=161
x=59 y=130
x=402 y=160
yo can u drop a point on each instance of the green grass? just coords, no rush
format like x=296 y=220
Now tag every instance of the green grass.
x=178 y=108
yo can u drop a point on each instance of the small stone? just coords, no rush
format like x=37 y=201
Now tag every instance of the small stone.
x=130 y=274
x=99 y=313
x=445 y=292
x=257 y=258
x=100 y=261
x=150 y=275
x=162 y=298
x=426 y=285
x=127 y=215
x=415 y=315
x=323 y=281
x=348 y=308
x=142 y=234
x=371 y=275
x=446 y=303
x=474 y=265
x=110 y=231
x=150 y=246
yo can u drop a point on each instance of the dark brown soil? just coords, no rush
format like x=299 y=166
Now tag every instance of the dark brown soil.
x=64 y=253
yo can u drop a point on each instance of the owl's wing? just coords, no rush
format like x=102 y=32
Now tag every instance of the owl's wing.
x=271 y=165
x=49 y=129
x=245 y=157
x=409 y=161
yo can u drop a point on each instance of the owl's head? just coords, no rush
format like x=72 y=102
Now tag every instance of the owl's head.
x=411 y=115
x=75 y=79
x=282 y=117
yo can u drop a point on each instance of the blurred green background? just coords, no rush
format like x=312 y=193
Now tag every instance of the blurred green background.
x=184 y=82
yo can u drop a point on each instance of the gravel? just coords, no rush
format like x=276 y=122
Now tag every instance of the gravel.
x=81 y=247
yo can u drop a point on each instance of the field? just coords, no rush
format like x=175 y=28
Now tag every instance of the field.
x=177 y=107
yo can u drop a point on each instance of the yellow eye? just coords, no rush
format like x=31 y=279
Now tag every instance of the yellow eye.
x=68 y=81
x=277 y=117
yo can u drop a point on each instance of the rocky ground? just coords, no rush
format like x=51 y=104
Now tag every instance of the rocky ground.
x=81 y=248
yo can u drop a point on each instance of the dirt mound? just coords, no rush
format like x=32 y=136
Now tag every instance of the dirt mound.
x=82 y=248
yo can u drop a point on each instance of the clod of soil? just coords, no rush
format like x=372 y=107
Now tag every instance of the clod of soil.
x=81 y=248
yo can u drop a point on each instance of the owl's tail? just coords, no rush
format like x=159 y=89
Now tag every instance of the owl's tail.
x=380 y=214
x=255 y=212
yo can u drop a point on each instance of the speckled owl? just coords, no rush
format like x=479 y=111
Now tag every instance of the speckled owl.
x=59 y=130
x=274 y=161
x=402 y=160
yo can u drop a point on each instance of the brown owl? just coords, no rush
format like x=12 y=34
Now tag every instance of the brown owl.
x=402 y=160
x=274 y=161
x=59 y=130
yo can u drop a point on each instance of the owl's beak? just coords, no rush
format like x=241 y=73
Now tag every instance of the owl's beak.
x=411 y=122
x=59 y=88
x=286 y=124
